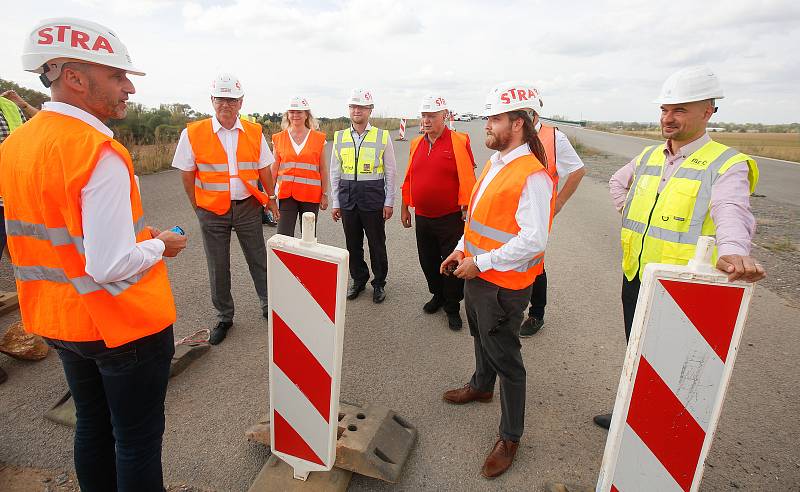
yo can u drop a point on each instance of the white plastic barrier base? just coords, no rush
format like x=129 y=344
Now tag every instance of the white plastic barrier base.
x=307 y=284
x=684 y=339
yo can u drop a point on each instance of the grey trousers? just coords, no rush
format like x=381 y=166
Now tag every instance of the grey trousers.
x=494 y=315
x=244 y=216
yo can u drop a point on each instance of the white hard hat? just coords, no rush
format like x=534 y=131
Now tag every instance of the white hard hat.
x=73 y=39
x=689 y=85
x=361 y=97
x=432 y=104
x=298 y=103
x=226 y=85
x=512 y=96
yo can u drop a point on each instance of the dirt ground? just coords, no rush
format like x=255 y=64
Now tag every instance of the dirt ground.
x=29 y=479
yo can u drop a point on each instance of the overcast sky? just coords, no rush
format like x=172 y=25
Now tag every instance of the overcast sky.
x=600 y=60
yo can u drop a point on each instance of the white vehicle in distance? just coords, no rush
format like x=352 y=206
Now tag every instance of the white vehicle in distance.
x=462 y=117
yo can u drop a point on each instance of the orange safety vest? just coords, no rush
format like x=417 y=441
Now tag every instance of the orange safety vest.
x=464 y=166
x=44 y=166
x=492 y=223
x=212 y=181
x=299 y=174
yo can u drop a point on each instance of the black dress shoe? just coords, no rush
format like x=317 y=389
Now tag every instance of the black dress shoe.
x=219 y=332
x=603 y=421
x=433 y=305
x=378 y=294
x=454 y=321
x=354 y=290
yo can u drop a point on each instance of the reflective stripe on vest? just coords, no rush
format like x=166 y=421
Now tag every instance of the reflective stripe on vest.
x=57 y=236
x=492 y=221
x=501 y=237
x=299 y=174
x=369 y=164
x=212 y=178
x=44 y=170
x=664 y=227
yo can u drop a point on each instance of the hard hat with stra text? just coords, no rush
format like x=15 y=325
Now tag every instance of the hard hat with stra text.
x=432 y=104
x=227 y=85
x=361 y=97
x=690 y=84
x=56 y=41
x=298 y=103
x=512 y=96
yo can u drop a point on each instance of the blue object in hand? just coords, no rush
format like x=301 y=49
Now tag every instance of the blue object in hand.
x=178 y=230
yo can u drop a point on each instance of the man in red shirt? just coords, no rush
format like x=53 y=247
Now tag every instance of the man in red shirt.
x=439 y=180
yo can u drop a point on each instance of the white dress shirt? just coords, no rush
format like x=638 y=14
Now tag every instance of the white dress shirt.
x=389 y=168
x=567 y=160
x=112 y=253
x=533 y=217
x=298 y=147
x=185 y=161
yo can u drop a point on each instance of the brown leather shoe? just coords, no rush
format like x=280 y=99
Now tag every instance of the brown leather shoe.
x=500 y=459
x=467 y=394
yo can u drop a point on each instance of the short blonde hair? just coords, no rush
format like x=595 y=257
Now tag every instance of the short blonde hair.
x=311 y=122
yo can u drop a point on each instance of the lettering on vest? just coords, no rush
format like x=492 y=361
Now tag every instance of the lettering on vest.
x=76 y=39
x=699 y=162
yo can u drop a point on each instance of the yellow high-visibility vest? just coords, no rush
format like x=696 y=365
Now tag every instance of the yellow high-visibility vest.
x=664 y=227
x=367 y=160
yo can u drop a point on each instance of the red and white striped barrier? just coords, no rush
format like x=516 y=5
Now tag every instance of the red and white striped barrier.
x=680 y=356
x=452 y=121
x=402 y=129
x=307 y=283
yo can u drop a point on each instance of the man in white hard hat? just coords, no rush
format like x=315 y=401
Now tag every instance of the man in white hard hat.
x=363 y=172
x=89 y=274
x=222 y=160
x=687 y=187
x=438 y=183
x=503 y=244
x=562 y=163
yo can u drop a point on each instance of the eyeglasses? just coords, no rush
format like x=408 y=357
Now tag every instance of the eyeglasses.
x=230 y=101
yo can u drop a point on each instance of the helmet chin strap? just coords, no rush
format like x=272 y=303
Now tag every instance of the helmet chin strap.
x=50 y=72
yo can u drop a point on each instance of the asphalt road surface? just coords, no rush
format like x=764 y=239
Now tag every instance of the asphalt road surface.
x=778 y=180
x=396 y=355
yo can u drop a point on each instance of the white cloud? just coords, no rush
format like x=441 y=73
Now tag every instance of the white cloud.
x=601 y=60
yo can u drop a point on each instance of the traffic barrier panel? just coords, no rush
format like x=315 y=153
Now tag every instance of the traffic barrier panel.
x=683 y=344
x=402 y=131
x=307 y=283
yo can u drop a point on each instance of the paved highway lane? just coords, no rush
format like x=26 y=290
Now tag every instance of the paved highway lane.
x=779 y=180
x=396 y=355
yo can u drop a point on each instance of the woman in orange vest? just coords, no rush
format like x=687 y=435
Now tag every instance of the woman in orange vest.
x=300 y=167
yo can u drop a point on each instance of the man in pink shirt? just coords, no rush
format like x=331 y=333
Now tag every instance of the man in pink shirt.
x=677 y=208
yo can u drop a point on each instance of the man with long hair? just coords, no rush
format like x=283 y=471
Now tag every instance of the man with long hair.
x=499 y=256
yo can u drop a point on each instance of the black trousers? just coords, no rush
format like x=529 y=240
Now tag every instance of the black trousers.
x=358 y=223
x=119 y=405
x=436 y=239
x=538 y=296
x=630 y=292
x=290 y=210
x=494 y=315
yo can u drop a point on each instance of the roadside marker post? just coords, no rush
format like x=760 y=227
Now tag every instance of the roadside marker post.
x=402 y=132
x=306 y=283
x=683 y=344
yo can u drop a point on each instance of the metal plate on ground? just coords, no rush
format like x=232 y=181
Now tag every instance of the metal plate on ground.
x=8 y=302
